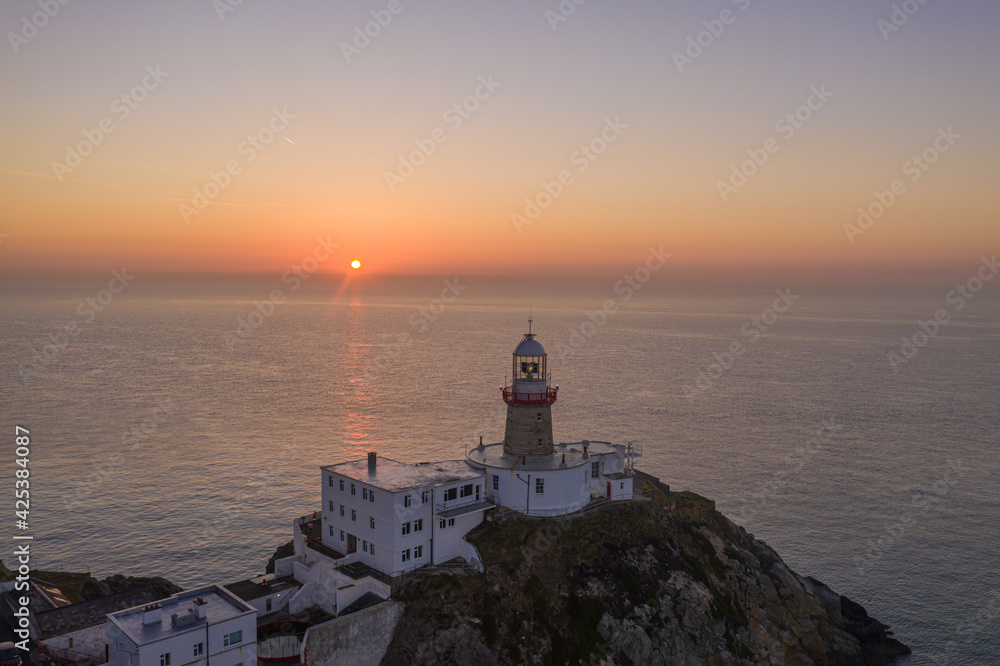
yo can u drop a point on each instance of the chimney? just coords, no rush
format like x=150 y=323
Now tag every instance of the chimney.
x=584 y=450
x=152 y=614
x=372 y=457
x=201 y=608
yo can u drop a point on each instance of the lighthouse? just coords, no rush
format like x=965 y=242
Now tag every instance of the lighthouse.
x=529 y=401
x=529 y=471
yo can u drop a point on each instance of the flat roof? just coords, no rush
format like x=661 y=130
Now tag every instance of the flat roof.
x=394 y=476
x=255 y=588
x=66 y=619
x=222 y=605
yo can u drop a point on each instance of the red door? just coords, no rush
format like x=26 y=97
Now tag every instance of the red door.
x=609 y=490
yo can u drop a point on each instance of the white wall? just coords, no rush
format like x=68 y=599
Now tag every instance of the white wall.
x=391 y=513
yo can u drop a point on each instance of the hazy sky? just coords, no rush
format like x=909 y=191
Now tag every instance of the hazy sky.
x=313 y=121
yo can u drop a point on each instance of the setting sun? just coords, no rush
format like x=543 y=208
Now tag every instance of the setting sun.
x=355 y=264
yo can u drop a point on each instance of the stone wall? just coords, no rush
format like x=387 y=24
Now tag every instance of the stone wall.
x=524 y=430
x=359 y=639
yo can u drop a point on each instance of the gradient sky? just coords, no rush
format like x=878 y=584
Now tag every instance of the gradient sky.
x=657 y=184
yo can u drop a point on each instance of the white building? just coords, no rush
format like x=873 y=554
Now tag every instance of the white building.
x=397 y=517
x=381 y=518
x=206 y=625
x=528 y=471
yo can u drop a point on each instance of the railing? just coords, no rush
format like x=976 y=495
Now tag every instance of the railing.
x=526 y=398
x=460 y=507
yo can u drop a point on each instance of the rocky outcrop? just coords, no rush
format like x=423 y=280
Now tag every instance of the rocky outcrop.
x=637 y=583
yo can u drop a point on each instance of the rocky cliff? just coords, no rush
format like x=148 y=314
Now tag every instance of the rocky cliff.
x=637 y=583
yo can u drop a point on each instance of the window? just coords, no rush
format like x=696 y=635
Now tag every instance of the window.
x=595 y=469
x=496 y=482
x=539 y=486
x=425 y=497
x=406 y=528
x=371 y=549
x=364 y=545
x=407 y=501
x=342 y=535
x=539 y=417
x=364 y=493
x=371 y=522
x=332 y=504
x=451 y=522
x=450 y=494
x=354 y=490
x=228 y=639
x=329 y=480
x=341 y=485
x=354 y=515
x=466 y=490
x=541 y=442
x=418 y=551
x=331 y=530
x=418 y=525
x=165 y=659
x=371 y=495
x=441 y=524
x=199 y=648
x=267 y=606
x=406 y=555
x=341 y=510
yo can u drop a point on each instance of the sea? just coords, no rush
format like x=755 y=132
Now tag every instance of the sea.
x=177 y=425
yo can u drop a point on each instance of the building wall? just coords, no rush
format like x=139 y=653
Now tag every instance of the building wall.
x=391 y=513
x=563 y=490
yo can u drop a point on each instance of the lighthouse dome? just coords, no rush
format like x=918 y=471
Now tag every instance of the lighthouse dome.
x=530 y=347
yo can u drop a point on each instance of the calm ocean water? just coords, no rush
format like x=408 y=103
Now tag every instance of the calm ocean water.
x=159 y=451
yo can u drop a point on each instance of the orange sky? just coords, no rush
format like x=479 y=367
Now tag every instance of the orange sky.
x=328 y=132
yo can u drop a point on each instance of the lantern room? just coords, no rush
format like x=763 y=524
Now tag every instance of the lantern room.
x=529 y=361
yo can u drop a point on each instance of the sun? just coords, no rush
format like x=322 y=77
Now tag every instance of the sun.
x=355 y=264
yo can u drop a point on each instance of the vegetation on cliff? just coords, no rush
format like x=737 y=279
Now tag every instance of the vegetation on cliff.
x=636 y=583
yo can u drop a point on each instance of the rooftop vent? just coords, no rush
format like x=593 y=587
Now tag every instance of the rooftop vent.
x=152 y=614
x=201 y=608
x=185 y=619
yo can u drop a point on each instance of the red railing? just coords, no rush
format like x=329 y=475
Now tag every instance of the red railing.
x=524 y=398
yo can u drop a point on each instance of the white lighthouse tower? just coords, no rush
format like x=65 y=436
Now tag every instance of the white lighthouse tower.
x=529 y=472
